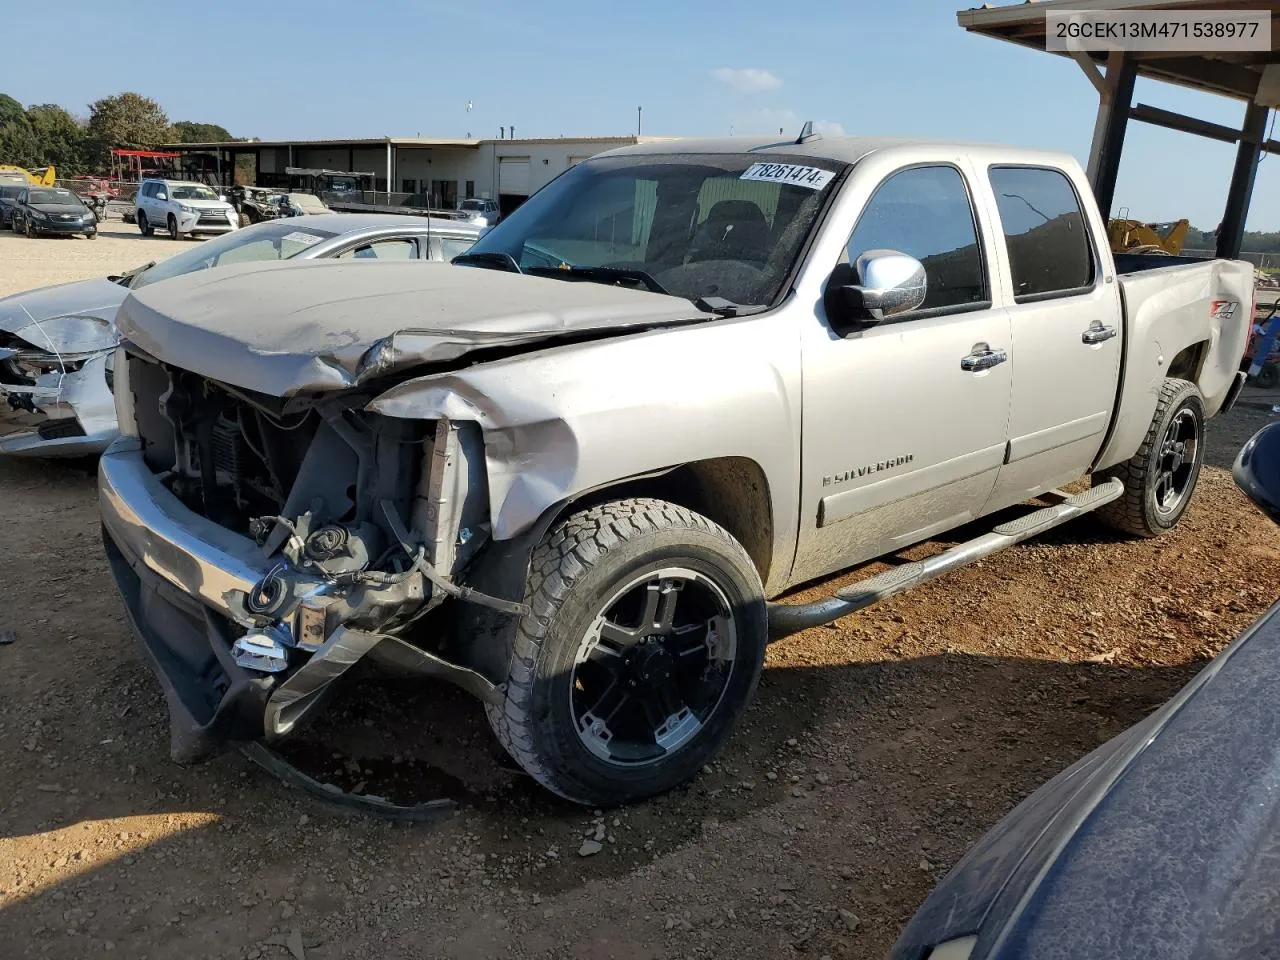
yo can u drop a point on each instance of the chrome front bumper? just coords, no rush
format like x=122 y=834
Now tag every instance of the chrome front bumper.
x=204 y=560
x=183 y=579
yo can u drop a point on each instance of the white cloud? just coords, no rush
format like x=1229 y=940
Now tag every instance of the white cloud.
x=747 y=79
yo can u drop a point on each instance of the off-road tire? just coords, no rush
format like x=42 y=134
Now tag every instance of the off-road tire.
x=245 y=219
x=573 y=570
x=1135 y=512
x=144 y=225
x=173 y=228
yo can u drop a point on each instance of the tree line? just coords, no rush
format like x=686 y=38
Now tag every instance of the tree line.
x=45 y=133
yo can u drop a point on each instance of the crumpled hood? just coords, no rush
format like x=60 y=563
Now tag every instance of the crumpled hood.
x=98 y=298
x=283 y=328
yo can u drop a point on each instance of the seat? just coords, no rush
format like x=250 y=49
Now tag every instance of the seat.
x=733 y=230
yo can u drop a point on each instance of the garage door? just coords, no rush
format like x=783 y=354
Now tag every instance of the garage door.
x=513 y=176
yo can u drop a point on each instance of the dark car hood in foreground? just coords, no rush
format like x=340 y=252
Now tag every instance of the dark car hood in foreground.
x=1164 y=842
x=285 y=328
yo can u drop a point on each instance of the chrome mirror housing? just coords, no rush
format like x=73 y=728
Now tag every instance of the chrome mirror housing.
x=889 y=283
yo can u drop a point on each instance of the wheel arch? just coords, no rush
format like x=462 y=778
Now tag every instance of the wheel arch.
x=1189 y=361
x=730 y=491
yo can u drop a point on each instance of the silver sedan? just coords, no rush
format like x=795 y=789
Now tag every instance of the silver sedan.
x=56 y=343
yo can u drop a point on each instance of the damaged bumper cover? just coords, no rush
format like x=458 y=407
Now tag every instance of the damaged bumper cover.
x=189 y=586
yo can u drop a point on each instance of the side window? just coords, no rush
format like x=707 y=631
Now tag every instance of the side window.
x=925 y=213
x=449 y=247
x=400 y=248
x=1044 y=231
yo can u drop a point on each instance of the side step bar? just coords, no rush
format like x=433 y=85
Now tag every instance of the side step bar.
x=786 y=619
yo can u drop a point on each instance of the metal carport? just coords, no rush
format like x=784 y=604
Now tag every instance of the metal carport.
x=1252 y=77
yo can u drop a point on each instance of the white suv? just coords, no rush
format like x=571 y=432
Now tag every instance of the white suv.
x=481 y=211
x=183 y=208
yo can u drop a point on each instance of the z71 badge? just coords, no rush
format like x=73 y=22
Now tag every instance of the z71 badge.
x=1224 y=309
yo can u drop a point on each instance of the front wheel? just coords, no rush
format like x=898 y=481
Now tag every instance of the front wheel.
x=643 y=648
x=173 y=228
x=1161 y=477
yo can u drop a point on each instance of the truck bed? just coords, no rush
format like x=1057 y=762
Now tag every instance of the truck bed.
x=1183 y=317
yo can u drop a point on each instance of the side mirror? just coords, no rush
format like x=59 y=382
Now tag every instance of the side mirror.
x=162 y=196
x=1257 y=470
x=880 y=284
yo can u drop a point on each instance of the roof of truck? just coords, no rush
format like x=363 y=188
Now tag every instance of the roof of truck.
x=841 y=149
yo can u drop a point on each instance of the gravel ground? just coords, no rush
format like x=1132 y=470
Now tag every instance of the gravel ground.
x=877 y=750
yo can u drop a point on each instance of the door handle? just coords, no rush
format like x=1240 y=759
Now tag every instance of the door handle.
x=1097 y=332
x=983 y=357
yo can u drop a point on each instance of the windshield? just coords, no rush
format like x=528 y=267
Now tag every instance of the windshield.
x=273 y=240
x=62 y=197
x=192 y=191
x=472 y=205
x=714 y=225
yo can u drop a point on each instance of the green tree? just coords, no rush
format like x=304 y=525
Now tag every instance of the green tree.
x=18 y=144
x=59 y=138
x=127 y=120
x=10 y=110
x=185 y=131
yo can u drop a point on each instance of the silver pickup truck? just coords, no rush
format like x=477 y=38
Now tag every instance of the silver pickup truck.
x=574 y=471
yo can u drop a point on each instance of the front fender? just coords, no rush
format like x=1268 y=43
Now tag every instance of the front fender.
x=566 y=420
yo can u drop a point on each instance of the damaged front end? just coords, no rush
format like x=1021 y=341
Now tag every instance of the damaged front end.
x=263 y=546
x=55 y=388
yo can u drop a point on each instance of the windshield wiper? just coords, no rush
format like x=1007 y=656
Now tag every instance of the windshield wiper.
x=503 y=261
x=125 y=279
x=603 y=273
x=727 y=308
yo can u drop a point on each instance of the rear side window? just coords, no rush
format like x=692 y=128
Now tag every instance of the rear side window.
x=1044 y=232
x=925 y=213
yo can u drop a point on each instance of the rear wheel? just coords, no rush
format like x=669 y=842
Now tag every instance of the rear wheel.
x=643 y=648
x=1268 y=377
x=144 y=225
x=1161 y=477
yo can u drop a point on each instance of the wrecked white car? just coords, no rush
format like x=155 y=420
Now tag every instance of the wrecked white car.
x=567 y=473
x=57 y=343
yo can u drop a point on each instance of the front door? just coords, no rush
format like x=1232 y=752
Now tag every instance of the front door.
x=904 y=433
x=1067 y=335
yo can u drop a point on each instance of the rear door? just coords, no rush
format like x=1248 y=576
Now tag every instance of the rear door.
x=1065 y=313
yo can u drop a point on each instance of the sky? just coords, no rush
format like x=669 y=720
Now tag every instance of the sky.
x=317 y=68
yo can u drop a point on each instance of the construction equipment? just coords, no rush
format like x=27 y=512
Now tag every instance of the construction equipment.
x=1134 y=236
x=41 y=177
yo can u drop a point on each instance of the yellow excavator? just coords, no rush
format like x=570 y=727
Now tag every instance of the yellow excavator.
x=42 y=177
x=1134 y=236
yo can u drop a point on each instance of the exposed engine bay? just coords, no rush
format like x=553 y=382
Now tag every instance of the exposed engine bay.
x=369 y=519
x=50 y=399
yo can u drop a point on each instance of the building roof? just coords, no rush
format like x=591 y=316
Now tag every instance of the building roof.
x=1233 y=74
x=365 y=142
